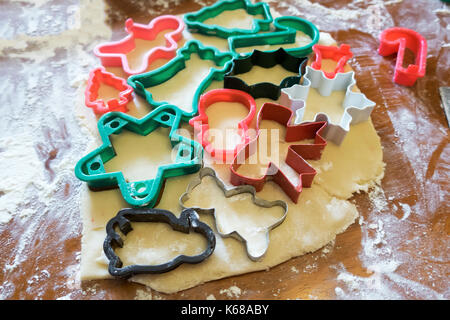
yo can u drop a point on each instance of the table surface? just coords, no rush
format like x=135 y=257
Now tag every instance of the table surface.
x=399 y=248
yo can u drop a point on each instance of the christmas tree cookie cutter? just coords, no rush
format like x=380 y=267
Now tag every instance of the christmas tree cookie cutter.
x=188 y=221
x=114 y=54
x=195 y=20
x=100 y=76
x=228 y=193
x=341 y=55
x=265 y=60
x=188 y=158
x=201 y=124
x=295 y=157
x=140 y=83
x=357 y=108
x=286 y=28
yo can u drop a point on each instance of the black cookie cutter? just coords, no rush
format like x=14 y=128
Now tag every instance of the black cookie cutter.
x=265 y=59
x=187 y=221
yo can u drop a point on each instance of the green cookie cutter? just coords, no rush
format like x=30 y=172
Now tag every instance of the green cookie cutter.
x=188 y=157
x=286 y=28
x=195 y=20
x=158 y=76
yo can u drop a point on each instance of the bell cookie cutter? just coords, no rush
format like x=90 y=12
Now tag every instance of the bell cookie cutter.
x=265 y=60
x=161 y=75
x=187 y=221
x=195 y=20
x=295 y=157
x=201 y=125
x=339 y=54
x=286 y=28
x=100 y=76
x=114 y=54
x=230 y=192
x=188 y=158
x=357 y=108
x=397 y=40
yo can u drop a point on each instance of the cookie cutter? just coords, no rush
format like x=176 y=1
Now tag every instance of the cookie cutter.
x=158 y=76
x=187 y=221
x=295 y=157
x=100 y=76
x=188 y=157
x=357 y=107
x=286 y=28
x=228 y=193
x=265 y=60
x=201 y=125
x=341 y=55
x=114 y=54
x=195 y=20
x=396 y=39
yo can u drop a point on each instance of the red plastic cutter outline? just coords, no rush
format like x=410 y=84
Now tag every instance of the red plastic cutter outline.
x=114 y=54
x=100 y=76
x=341 y=55
x=397 y=40
x=201 y=125
x=296 y=155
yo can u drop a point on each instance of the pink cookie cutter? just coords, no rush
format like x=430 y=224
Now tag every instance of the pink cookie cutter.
x=341 y=55
x=114 y=54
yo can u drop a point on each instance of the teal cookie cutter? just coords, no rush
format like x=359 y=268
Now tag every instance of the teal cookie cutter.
x=158 y=76
x=188 y=156
x=286 y=28
x=195 y=20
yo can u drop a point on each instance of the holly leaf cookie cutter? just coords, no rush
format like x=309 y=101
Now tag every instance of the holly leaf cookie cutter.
x=228 y=193
x=187 y=221
x=195 y=20
x=161 y=75
x=188 y=157
x=114 y=54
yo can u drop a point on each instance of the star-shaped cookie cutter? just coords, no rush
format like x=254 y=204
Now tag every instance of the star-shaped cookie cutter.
x=158 y=76
x=114 y=54
x=341 y=55
x=195 y=20
x=228 y=193
x=187 y=221
x=295 y=157
x=188 y=158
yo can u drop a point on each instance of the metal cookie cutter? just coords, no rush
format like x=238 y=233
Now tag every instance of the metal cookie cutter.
x=114 y=54
x=228 y=194
x=295 y=157
x=100 y=76
x=398 y=40
x=285 y=32
x=188 y=158
x=187 y=221
x=357 y=108
x=265 y=60
x=195 y=20
x=156 y=77
x=341 y=55
x=201 y=125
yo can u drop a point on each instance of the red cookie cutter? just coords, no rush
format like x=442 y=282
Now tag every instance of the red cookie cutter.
x=114 y=54
x=341 y=55
x=296 y=155
x=100 y=76
x=201 y=125
x=397 y=40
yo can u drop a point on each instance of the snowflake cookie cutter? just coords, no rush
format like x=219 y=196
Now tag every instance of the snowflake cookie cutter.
x=114 y=54
x=228 y=193
x=187 y=221
x=357 y=107
x=188 y=158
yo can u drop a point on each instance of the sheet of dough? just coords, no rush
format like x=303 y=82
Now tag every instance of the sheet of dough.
x=321 y=213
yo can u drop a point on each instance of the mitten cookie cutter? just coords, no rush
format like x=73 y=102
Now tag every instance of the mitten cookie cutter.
x=114 y=54
x=188 y=157
x=230 y=192
x=187 y=221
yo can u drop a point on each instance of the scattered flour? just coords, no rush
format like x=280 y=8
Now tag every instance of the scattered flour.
x=232 y=292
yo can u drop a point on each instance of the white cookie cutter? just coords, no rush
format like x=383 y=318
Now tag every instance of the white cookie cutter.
x=357 y=108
